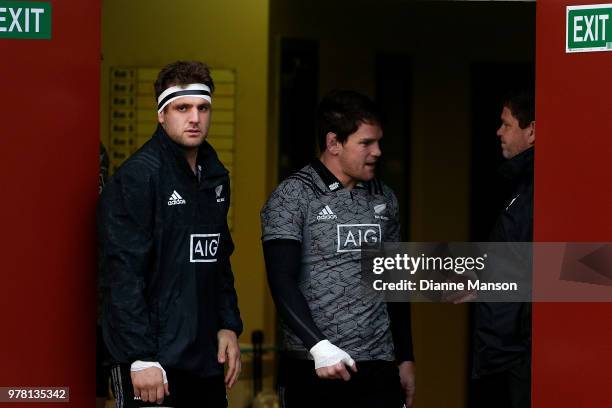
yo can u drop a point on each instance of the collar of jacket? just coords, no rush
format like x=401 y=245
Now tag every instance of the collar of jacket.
x=519 y=166
x=331 y=182
x=213 y=171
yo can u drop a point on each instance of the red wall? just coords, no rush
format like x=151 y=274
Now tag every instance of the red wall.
x=572 y=342
x=49 y=137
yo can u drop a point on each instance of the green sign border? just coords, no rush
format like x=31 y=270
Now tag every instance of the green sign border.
x=44 y=32
x=568 y=11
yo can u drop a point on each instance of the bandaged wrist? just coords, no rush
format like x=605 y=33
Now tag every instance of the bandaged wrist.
x=325 y=354
x=143 y=365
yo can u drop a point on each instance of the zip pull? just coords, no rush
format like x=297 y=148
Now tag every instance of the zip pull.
x=199 y=172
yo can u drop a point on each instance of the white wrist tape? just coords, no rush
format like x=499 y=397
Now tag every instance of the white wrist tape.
x=326 y=354
x=143 y=365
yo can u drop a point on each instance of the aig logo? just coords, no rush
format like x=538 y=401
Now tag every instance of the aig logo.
x=352 y=236
x=203 y=247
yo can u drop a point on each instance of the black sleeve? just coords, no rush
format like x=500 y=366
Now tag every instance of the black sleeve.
x=399 y=313
x=125 y=226
x=401 y=329
x=282 y=258
x=229 y=314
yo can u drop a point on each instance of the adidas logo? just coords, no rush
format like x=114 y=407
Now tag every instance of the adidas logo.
x=326 y=214
x=176 y=199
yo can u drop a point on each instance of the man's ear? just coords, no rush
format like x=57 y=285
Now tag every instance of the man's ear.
x=160 y=117
x=331 y=143
x=531 y=136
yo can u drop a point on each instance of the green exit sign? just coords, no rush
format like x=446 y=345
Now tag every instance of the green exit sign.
x=25 y=19
x=589 y=28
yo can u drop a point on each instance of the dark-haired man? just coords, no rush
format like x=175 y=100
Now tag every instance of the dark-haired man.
x=501 y=356
x=314 y=225
x=170 y=314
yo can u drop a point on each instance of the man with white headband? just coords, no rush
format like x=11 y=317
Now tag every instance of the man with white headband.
x=170 y=314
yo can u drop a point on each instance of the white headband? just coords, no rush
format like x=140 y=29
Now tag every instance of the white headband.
x=175 y=92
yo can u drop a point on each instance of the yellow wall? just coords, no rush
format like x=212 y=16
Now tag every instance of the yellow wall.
x=225 y=34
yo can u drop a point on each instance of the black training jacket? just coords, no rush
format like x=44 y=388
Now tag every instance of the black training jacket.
x=166 y=278
x=502 y=335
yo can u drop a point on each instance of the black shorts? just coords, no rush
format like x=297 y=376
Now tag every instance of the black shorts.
x=102 y=371
x=375 y=384
x=186 y=390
